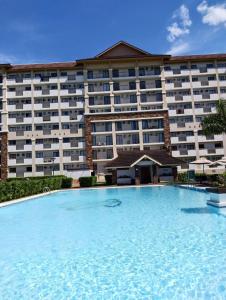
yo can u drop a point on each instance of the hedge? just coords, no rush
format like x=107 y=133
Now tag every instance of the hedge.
x=182 y=177
x=15 y=188
x=87 y=181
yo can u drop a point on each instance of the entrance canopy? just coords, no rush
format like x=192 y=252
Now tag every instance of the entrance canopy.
x=128 y=159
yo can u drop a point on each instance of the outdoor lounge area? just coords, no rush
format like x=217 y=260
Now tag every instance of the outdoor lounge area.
x=143 y=167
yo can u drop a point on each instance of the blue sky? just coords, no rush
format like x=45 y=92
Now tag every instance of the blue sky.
x=63 y=30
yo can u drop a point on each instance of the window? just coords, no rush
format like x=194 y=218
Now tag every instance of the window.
x=131 y=72
x=12 y=170
x=117 y=99
x=106 y=87
x=107 y=100
x=142 y=85
x=141 y=71
x=115 y=73
x=116 y=86
x=105 y=74
x=132 y=85
x=90 y=74
x=133 y=98
x=91 y=88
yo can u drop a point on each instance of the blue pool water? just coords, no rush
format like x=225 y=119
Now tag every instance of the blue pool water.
x=128 y=243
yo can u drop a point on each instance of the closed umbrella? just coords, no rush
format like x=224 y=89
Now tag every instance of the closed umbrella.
x=201 y=161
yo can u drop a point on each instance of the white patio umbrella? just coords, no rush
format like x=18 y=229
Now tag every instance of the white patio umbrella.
x=201 y=161
x=219 y=162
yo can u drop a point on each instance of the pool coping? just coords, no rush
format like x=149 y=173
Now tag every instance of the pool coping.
x=16 y=201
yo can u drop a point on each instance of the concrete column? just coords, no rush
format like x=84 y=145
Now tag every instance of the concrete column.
x=141 y=135
x=114 y=140
x=195 y=129
x=163 y=81
x=61 y=155
x=112 y=96
x=33 y=157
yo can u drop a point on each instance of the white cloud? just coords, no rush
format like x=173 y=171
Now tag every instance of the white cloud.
x=6 y=58
x=212 y=15
x=175 y=31
x=179 y=48
x=12 y=59
x=181 y=26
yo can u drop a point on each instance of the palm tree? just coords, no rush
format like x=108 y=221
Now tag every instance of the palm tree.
x=216 y=123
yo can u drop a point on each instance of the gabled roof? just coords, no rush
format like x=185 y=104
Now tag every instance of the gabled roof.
x=127 y=159
x=122 y=49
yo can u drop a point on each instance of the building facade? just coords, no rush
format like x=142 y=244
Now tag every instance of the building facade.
x=72 y=118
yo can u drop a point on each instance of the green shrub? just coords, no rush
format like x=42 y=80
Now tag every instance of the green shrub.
x=21 y=187
x=200 y=177
x=108 y=179
x=87 y=181
x=67 y=183
x=182 y=177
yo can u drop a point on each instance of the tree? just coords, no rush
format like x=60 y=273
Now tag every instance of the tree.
x=216 y=123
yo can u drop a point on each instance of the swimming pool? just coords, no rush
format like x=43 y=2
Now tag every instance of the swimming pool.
x=117 y=243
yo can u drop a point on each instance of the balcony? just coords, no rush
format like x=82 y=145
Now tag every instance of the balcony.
x=19 y=161
x=184 y=152
x=180 y=111
x=180 y=139
x=47 y=105
x=211 y=151
x=146 y=98
x=202 y=70
x=204 y=83
x=126 y=126
x=74 y=158
x=205 y=110
x=76 y=144
x=18 y=93
x=14 y=121
x=127 y=139
x=74 y=104
x=153 y=138
x=69 y=118
x=178 y=98
x=74 y=91
x=216 y=137
x=26 y=107
x=39 y=120
x=103 y=155
x=124 y=87
x=182 y=126
x=176 y=85
x=206 y=96
x=18 y=80
x=101 y=127
x=47 y=160
x=23 y=147
x=176 y=72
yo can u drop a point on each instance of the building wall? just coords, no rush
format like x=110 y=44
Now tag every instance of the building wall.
x=43 y=113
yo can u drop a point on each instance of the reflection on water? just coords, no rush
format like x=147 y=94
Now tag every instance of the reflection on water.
x=94 y=205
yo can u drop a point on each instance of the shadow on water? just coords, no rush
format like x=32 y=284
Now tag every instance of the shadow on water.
x=106 y=203
x=202 y=210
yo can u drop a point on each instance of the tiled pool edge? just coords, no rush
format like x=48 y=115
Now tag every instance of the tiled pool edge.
x=194 y=188
x=16 y=201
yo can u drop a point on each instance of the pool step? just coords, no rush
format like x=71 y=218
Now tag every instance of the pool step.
x=217 y=203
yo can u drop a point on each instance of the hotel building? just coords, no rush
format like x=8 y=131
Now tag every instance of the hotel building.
x=74 y=117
